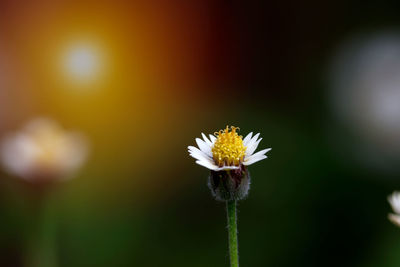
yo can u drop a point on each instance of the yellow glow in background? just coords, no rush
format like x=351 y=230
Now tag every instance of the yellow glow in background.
x=123 y=73
x=132 y=78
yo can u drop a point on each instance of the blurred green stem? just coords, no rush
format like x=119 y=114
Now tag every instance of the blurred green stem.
x=232 y=231
x=42 y=245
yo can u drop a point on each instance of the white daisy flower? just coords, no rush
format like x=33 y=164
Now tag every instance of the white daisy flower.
x=43 y=150
x=226 y=150
x=394 y=200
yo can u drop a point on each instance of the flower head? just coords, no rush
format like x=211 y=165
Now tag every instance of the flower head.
x=42 y=150
x=227 y=155
x=226 y=150
x=394 y=200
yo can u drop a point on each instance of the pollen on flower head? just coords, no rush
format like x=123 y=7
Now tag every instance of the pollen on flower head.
x=228 y=149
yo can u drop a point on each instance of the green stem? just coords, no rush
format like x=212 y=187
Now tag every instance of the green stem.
x=42 y=251
x=232 y=231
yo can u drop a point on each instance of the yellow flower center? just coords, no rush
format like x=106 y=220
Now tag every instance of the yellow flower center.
x=228 y=149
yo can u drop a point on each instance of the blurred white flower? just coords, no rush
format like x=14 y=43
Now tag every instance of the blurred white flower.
x=43 y=150
x=365 y=80
x=394 y=200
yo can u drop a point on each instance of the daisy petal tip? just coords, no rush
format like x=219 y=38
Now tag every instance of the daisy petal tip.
x=207 y=165
x=206 y=139
x=254 y=160
x=247 y=138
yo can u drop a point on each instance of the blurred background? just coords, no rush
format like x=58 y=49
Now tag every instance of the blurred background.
x=319 y=80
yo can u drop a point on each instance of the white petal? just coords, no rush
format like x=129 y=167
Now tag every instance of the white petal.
x=200 y=155
x=394 y=200
x=192 y=147
x=206 y=139
x=228 y=168
x=252 y=147
x=394 y=218
x=195 y=151
x=212 y=138
x=199 y=158
x=259 y=153
x=252 y=140
x=207 y=165
x=204 y=147
x=254 y=160
x=73 y=151
x=18 y=154
x=202 y=158
x=247 y=139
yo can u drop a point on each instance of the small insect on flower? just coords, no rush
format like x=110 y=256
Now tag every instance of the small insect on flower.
x=42 y=150
x=394 y=200
x=227 y=155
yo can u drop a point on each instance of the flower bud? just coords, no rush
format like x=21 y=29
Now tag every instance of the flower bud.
x=227 y=185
